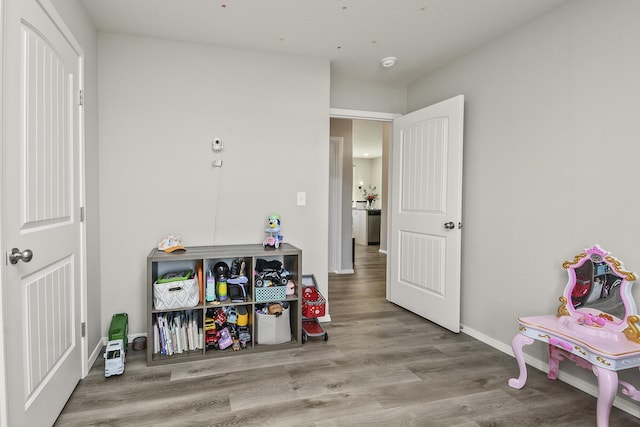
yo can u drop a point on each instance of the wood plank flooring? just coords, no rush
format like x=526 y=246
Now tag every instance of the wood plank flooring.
x=382 y=366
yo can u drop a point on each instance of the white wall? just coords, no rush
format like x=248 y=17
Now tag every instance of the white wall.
x=369 y=132
x=352 y=94
x=376 y=180
x=362 y=174
x=551 y=157
x=161 y=104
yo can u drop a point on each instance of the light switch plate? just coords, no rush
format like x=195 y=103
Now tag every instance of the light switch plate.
x=302 y=198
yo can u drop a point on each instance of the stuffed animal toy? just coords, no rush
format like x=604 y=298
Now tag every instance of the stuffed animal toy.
x=275 y=308
x=291 y=287
x=274 y=239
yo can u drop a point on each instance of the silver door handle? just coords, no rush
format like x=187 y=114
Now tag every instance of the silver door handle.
x=16 y=255
x=449 y=225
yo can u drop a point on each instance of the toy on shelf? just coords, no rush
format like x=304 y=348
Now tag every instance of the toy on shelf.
x=274 y=238
x=236 y=283
x=221 y=273
x=171 y=243
x=226 y=325
x=275 y=308
x=211 y=287
x=270 y=273
x=291 y=287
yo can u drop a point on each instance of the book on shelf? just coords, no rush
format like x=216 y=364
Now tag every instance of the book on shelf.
x=177 y=332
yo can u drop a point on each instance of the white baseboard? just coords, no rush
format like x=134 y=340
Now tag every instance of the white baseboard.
x=382 y=251
x=325 y=319
x=580 y=384
x=345 y=271
x=97 y=352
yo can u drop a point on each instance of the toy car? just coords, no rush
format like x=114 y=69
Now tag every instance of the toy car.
x=211 y=334
x=271 y=277
x=272 y=241
x=244 y=335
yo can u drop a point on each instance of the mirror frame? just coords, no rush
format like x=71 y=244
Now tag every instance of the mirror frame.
x=630 y=310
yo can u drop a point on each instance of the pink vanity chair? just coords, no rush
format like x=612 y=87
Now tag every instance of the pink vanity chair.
x=596 y=327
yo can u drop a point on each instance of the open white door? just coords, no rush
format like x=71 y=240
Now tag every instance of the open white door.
x=423 y=263
x=41 y=213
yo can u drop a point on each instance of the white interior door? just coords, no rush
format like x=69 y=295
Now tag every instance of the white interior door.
x=423 y=263
x=41 y=199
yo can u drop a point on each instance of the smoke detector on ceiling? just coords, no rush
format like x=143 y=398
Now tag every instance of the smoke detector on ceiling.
x=389 y=61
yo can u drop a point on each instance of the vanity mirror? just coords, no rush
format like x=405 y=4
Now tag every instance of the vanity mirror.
x=598 y=291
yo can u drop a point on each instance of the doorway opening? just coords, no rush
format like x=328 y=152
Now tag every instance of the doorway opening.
x=341 y=216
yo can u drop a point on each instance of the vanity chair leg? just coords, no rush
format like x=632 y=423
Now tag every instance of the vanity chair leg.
x=607 y=388
x=518 y=342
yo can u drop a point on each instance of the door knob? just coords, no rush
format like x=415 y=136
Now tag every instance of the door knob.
x=449 y=225
x=16 y=255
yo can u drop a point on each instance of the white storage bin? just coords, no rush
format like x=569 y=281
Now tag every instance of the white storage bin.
x=272 y=329
x=177 y=294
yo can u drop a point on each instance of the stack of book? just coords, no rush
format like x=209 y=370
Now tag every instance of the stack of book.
x=176 y=332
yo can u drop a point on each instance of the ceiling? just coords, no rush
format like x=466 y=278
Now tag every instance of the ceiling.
x=354 y=35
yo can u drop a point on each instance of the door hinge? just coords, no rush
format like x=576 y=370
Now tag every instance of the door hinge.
x=80 y=97
x=83 y=325
x=81 y=213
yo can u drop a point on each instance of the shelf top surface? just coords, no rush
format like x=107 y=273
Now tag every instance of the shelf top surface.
x=223 y=251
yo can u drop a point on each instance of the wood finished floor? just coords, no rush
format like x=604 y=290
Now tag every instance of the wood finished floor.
x=382 y=366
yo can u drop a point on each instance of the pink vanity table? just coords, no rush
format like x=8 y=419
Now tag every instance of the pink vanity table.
x=596 y=327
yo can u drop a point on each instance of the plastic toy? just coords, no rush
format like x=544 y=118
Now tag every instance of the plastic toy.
x=220 y=318
x=224 y=338
x=221 y=272
x=238 y=270
x=291 y=287
x=274 y=239
x=236 y=283
x=244 y=335
x=268 y=277
x=211 y=287
x=243 y=316
x=115 y=354
x=270 y=273
x=232 y=315
x=211 y=333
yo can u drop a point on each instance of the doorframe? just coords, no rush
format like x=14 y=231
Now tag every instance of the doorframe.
x=48 y=7
x=340 y=113
x=3 y=378
x=335 y=202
